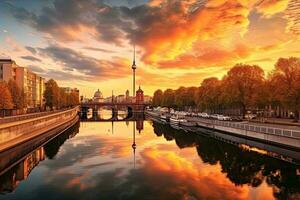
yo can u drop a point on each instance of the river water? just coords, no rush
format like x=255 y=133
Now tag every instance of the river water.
x=96 y=160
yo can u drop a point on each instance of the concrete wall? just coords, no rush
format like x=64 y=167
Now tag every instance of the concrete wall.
x=14 y=133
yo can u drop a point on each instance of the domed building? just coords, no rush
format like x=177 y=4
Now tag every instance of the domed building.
x=98 y=97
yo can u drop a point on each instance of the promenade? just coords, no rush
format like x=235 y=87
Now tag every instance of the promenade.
x=284 y=135
x=24 y=128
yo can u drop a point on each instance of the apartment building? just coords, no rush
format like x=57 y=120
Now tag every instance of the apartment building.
x=32 y=84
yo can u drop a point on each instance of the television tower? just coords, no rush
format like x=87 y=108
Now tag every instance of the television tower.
x=133 y=69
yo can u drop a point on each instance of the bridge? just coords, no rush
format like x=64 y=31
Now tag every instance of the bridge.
x=131 y=107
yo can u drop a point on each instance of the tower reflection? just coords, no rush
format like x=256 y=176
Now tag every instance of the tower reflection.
x=133 y=143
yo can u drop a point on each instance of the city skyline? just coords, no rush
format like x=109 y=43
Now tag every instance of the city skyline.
x=89 y=46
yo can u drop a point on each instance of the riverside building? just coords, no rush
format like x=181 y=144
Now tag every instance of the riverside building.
x=32 y=84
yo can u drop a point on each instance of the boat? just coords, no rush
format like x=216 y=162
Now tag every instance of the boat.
x=163 y=117
x=177 y=119
x=188 y=124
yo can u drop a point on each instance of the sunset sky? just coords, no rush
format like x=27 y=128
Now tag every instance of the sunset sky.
x=88 y=43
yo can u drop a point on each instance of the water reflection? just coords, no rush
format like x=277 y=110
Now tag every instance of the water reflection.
x=240 y=165
x=13 y=173
x=148 y=160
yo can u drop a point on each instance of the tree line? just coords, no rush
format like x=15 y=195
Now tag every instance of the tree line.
x=56 y=97
x=13 y=97
x=244 y=87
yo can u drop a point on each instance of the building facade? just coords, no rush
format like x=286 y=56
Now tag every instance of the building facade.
x=98 y=97
x=32 y=84
x=139 y=97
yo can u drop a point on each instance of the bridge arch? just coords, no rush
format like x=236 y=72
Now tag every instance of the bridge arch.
x=132 y=108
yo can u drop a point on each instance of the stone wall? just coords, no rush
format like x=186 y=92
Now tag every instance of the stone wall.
x=14 y=133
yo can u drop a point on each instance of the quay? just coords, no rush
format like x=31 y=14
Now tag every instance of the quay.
x=286 y=136
x=19 y=129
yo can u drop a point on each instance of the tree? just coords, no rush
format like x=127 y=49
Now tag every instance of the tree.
x=74 y=99
x=180 y=96
x=157 y=98
x=242 y=84
x=6 y=101
x=286 y=83
x=18 y=96
x=169 y=98
x=209 y=94
x=51 y=94
x=190 y=96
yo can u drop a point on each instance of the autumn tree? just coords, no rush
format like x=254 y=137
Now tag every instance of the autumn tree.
x=190 y=96
x=18 y=95
x=286 y=83
x=168 y=98
x=73 y=99
x=157 y=98
x=242 y=83
x=6 y=101
x=52 y=94
x=180 y=95
x=209 y=94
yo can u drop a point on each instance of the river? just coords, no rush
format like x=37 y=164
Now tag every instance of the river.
x=96 y=160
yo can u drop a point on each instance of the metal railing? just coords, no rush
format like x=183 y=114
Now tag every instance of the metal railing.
x=259 y=129
x=30 y=116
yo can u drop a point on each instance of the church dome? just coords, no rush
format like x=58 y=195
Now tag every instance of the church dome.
x=98 y=94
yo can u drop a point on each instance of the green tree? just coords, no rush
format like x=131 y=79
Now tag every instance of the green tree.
x=52 y=94
x=6 y=101
x=157 y=98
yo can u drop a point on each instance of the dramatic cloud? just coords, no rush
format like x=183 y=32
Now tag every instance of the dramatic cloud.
x=31 y=49
x=176 y=39
x=72 y=60
x=63 y=21
x=37 y=69
x=293 y=16
x=271 y=7
x=99 y=49
x=31 y=58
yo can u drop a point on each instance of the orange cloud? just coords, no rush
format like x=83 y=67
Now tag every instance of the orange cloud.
x=180 y=28
x=271 y=7
x=208 y=56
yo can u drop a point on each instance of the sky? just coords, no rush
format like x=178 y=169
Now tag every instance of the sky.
x=88 y=44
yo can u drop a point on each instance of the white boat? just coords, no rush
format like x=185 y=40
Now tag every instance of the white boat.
x=163 y=116
x=176 y=119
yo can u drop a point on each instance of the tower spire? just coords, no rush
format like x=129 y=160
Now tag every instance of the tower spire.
x=133 y=63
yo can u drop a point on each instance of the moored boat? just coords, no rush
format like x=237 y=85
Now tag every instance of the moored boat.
x=188 y=123
x=177 y=119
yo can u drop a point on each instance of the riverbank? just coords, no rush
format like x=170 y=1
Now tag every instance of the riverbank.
x=22 y=130
x=288 y=136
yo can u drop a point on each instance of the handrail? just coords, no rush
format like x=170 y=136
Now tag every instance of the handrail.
x=30 y=116
x=261 y=129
